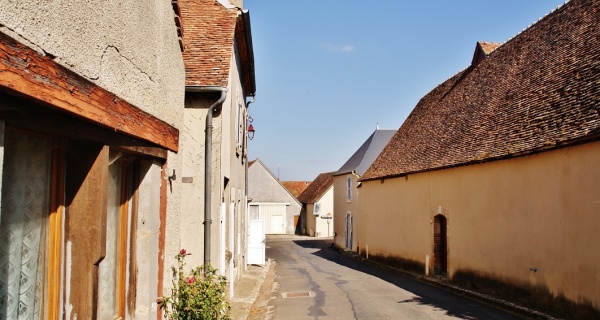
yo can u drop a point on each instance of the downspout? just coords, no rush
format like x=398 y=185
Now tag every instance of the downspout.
x=247 y=201
x=207 y=163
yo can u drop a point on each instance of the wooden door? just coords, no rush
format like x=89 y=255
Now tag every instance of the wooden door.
x=440 y=245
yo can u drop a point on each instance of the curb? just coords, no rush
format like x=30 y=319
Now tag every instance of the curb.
x=515 y=309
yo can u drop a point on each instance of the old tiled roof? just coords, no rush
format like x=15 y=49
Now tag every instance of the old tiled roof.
x=367 y=153
x=208 y=42
x=538 y=91
x=317 y=188
x=296 y=187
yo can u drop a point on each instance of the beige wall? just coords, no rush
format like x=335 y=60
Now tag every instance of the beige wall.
x=504 y=217
x=342 y=207
x=321 y=226
x=130 y=49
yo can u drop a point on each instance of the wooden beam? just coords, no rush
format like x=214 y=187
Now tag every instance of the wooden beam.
x=25 y=71
x=23 y=115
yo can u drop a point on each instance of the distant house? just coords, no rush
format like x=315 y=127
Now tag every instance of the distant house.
x=494 y=178
x=345 y=182
x=296 y=187
x=317 y=207
x=270 y=201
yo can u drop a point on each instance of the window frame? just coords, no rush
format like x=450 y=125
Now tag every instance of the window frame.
x=349 y=189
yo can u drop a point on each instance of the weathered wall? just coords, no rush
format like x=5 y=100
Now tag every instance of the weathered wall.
x=504 y=217
x=130 y=49
x=191 y=183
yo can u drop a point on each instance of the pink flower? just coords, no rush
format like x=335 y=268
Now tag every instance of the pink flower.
x=182 y=251
x=191 y=280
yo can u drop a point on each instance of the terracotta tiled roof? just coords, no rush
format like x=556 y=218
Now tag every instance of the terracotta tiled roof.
x=317 y=188
x=296 y=187
x=538 y=91
x=208 y=41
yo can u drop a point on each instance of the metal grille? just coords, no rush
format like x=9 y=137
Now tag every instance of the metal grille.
x=297 y=294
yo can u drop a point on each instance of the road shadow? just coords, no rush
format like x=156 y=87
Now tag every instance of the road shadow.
x=426 y=294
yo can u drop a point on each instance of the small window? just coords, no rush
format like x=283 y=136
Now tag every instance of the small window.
x=349 y=189
x=317 y=209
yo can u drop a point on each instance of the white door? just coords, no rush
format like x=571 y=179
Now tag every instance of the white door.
x=222 y=242
x=256 y=242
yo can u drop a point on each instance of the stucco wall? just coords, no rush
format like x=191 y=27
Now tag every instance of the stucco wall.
x=504 y=217
x=129 y=48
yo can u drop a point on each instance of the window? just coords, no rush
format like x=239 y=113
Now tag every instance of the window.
x=349 y=189
x=240 y=120
x=317 y=209
x=24 y=225
x=113 y=268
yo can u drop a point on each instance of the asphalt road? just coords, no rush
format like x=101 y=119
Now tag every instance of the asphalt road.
x=314 y=281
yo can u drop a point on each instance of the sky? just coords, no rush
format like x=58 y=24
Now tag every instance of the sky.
x=329 y=71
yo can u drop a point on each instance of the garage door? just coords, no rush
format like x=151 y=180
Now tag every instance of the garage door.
x=274 y=215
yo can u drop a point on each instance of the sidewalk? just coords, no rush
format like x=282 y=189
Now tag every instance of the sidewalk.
x=247 y=290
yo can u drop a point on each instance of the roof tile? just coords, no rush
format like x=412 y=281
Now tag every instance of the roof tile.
x=208 y=42
x=317 y=188
x=538 y=91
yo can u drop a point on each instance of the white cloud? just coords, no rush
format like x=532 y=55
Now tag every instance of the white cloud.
x=339 y=48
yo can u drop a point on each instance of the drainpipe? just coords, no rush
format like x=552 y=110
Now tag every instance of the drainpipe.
x=207 y=162
x=246 y=183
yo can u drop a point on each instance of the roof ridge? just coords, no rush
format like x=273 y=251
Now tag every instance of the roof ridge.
x=530 y=26
x=502 y=44
x=542 y=101
x=276 y=179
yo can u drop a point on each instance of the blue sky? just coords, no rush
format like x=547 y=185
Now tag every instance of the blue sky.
x=328 y=71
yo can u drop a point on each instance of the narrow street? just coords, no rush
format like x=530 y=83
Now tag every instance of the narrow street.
x=314 y=281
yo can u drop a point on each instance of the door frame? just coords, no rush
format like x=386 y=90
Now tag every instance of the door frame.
x=348 y=231
x=440 y=245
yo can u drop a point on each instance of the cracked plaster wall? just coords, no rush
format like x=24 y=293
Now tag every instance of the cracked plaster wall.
x=128 y=47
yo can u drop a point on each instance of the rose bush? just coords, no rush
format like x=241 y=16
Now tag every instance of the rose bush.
x=198 y=295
